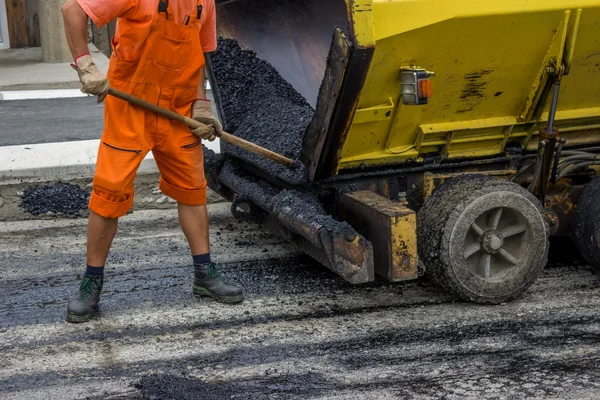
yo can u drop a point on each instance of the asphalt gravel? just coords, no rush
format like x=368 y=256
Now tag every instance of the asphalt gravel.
x=62 y=198
x=260 y=106
x=305 y=206
x=301 y=333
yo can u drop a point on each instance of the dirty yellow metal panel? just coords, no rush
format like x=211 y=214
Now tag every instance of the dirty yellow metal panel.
x=405 y=261
x=432 y=181
x=552 y=60
x=394 y=16
x=390 y=227
x=363 y=21
x=378 y=113
x=487 y=58
x=569 y=51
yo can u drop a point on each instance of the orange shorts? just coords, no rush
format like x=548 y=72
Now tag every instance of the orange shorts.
x=129 y=134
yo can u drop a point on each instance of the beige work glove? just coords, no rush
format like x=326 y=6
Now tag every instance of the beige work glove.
x=202 y=112
x=93 y=81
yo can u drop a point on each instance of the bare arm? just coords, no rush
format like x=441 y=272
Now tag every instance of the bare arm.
x=76 y=24
x=201 y=89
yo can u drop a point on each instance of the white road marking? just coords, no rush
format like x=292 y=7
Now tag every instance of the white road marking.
x=62 y=160
x=41 y=94
x=48 y=94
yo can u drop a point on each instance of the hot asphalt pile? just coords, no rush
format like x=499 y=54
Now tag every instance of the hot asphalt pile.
x=62 y=198
x=292 y=205
x=260 y=106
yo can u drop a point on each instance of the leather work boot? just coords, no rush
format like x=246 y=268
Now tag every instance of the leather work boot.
x=84 y=305
x=207 y=282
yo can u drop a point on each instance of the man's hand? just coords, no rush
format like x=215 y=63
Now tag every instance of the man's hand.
x=93 y=81
x=202 y=112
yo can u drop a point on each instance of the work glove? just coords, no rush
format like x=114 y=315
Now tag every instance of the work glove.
x=93 y=81
x=202 y=112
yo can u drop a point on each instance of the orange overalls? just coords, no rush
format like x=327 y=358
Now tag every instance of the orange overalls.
x=167 y=73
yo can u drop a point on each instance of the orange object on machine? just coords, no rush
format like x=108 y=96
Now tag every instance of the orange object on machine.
x=166 y=72
x=424 y=88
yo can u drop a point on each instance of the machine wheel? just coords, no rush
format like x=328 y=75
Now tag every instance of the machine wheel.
x=587 y=223
x=483 y=239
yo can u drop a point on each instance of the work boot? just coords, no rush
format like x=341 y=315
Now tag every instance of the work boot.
x=84 y=305
x=207 y=282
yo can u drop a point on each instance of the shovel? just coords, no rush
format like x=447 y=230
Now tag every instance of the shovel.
x=226 y=137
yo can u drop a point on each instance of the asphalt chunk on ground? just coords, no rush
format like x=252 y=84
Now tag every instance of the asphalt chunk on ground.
x=62 y=198
x=261 y=107
x=301 y=333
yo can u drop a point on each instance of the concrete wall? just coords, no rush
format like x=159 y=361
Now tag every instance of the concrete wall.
x=4 y=35
x=33 y=23
x=52 y=32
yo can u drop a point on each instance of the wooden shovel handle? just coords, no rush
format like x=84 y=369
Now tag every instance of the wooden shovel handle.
x=234 y=140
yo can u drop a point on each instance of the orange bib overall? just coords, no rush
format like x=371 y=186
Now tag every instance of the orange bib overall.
x=164 y=69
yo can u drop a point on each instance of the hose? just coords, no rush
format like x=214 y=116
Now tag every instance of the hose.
x=574 y=160
x=520 y=172
x=567 y=153
x=576 y=167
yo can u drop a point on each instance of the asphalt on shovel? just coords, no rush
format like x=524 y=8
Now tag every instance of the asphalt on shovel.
x=226 y=137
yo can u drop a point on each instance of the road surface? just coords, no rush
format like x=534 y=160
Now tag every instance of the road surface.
x=50 y=120
x=302 y=333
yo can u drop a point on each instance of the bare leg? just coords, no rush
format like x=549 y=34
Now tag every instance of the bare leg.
x=101 y=232
x=194 y=223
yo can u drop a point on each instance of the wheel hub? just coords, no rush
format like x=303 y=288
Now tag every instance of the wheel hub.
x=492 y=242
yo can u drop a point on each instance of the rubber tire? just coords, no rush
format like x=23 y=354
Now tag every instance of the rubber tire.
x=587 y=223
x=434 y=226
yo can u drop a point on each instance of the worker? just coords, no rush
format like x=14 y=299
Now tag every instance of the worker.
x=158 y=55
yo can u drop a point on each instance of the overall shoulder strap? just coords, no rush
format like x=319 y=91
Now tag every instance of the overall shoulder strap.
x=163 y=6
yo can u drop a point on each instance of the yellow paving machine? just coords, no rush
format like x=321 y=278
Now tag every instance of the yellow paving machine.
x=450 y=138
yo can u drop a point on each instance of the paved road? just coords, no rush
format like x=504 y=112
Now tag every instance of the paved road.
x=52 y=120
x=302 y=333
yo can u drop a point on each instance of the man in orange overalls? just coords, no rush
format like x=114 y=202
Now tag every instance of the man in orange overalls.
x=158 y=56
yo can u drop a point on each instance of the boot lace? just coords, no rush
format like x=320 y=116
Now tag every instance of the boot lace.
x=86 y=288
x=212 y=272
